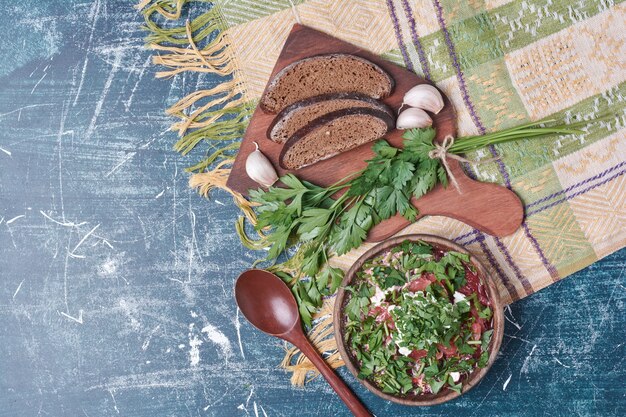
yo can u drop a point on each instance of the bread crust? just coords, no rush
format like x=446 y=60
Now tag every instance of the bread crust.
x=291 y=110
x=275 y=81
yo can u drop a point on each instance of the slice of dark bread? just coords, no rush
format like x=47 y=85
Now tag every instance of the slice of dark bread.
x=323 y=74
x=333 y=133
x=294 y=117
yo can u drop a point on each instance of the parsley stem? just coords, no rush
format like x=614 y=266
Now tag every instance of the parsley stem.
x=421 y=368
x=487 y=139
x=511 y=129
x=344 y=181
x=339 y=201
x=473 y=143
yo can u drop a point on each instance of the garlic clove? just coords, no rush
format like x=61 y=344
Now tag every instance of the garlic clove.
x=260 y=169
x=413 y=118
x=425 y=97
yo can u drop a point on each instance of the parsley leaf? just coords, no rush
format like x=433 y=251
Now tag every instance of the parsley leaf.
x=383 y=149
x=403 y=172
x=352 y=228
x=419 y=142
x=436 y=385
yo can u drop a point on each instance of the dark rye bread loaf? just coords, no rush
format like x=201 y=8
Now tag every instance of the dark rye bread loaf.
x=323 y=74
x=294 y=117
x=333 y=133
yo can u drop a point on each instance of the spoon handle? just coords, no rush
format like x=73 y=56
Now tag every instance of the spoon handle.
x=340 y=387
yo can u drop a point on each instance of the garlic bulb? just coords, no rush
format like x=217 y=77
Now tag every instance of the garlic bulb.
x=413 y=118
x=260 y=169
x=424 y=96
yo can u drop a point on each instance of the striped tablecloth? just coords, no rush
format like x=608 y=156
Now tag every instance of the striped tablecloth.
x=502 y=63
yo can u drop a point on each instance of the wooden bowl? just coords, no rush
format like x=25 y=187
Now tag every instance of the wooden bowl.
x=444 y=395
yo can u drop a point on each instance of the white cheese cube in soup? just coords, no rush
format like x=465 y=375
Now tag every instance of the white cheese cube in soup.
x=458 y=297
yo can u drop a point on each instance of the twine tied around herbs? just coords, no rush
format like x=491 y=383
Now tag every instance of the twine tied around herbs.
x=441 y=152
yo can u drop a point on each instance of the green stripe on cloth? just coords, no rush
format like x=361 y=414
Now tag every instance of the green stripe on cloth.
x=521 y=23
x=491 y=34
x=237 y=12
x=476 y=41
x=537 y=184
x=394 y=56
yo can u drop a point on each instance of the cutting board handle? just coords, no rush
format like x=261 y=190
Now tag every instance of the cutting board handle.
x=490 y=208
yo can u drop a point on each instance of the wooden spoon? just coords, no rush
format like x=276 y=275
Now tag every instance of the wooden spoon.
x=267 y=303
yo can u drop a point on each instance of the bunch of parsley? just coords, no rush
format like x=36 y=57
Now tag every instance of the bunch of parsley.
x=303 y=213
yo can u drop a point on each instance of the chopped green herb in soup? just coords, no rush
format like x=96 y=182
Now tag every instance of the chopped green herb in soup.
x=418 y=320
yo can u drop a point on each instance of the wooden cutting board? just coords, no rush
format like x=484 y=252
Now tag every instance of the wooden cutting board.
x=490 y=208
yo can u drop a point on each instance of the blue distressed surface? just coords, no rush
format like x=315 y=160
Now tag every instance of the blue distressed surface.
x=108 y=323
